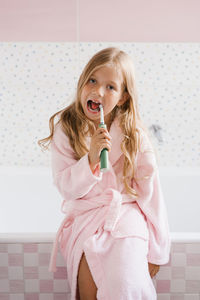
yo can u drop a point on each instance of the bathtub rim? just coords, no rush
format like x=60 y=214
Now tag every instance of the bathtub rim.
x=49 y=237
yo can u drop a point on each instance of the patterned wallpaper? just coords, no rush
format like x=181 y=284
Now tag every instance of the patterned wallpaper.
x=38 y=79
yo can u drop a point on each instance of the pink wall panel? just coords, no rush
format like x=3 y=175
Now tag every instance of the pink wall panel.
x=140 y=21
x=105 y=20
x=38 y=20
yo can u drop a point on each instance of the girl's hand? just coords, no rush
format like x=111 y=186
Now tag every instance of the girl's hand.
x=153 y=269
x=100 y=140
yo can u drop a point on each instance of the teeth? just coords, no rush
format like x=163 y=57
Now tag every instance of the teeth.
x=93 y=106
x=95 y=101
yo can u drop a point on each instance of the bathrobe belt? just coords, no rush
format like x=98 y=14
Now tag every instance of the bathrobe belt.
x=110 y=197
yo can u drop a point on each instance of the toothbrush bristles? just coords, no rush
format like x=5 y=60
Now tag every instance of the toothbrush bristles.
x=101 y=114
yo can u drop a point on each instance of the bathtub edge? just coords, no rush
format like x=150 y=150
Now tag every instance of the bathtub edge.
x=48 y=237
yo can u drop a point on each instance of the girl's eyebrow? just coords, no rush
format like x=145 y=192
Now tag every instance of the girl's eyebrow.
x=109 y=81
x=113 y=82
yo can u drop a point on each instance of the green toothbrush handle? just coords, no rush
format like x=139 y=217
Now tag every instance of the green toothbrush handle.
x=103 y=155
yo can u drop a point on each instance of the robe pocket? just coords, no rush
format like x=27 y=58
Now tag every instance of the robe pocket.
x=131 y=223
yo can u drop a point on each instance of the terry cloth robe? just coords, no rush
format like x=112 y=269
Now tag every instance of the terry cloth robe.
x=99 y=200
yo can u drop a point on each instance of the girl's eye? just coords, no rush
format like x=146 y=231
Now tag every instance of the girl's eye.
x=92 y=80
x=111 y=87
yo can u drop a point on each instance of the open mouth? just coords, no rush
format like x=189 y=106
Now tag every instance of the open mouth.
x=93 y=106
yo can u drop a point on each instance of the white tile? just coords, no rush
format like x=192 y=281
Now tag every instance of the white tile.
x=178 y=259
x=60 y=262
x=30 y=259
x=45 y=248
x=68 y=287
x=15 y=273
x=177 y=296
x=163 y=297
x=164 y=273
x=15 y=248
x=191 y=297
x=177 y=286
x=60 y=286
x=192 y=273
x=16 y=296
x=192 y=286
x=193 y=248
x=68 y=295
x=43 y=273
x=46 y=297
x=4 y=285
x=3 y=259
x=31 y=286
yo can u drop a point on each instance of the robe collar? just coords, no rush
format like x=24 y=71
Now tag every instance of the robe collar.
x=117 y=138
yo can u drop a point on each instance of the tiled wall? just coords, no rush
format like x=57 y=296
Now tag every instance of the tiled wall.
x=24 y=273
x=38 y=79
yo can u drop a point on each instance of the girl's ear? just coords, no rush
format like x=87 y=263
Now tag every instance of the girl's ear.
x=123 y=99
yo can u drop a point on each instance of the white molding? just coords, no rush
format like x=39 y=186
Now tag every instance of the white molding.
x=48 y=237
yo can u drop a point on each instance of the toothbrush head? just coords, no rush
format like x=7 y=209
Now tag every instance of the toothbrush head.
x=101 y=114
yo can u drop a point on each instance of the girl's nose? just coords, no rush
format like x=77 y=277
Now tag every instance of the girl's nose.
x=100 y=90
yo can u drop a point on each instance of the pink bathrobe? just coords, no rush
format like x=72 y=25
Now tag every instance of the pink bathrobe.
x=98 y=202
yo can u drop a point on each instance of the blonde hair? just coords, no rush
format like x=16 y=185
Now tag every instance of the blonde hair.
x=76 y=126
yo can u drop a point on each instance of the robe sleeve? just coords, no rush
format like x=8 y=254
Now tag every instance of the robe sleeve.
x=151 y=202
x=73 y=178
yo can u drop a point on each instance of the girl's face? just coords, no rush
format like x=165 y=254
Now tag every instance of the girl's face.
x=105 y=86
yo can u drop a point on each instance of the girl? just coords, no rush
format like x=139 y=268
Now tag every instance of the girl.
x=115 y=233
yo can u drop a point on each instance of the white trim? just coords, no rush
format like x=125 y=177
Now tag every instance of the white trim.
x=185 y=237
x=48 y=237
x=32 y=237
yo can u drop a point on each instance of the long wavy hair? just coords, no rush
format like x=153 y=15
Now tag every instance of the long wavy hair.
x=76 y=126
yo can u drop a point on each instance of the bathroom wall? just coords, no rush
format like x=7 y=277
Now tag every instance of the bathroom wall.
x=38 y=79
x=42 y=54
x=43 y=48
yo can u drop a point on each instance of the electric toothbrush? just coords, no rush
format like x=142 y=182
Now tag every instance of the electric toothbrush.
x=104 y=152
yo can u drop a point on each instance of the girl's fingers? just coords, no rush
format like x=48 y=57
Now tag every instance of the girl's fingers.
x=106 y=145
x=154 y=272
x=153 y=269
x=102 y=132
x=103 y=136
x=101 y=139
